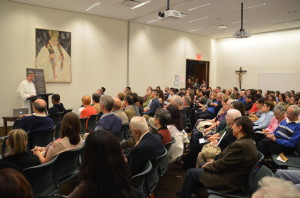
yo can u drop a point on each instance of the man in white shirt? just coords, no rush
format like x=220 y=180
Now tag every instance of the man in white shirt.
x=27 y=90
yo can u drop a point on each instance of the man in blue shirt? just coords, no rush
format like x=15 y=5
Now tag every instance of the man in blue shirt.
x=286 y=137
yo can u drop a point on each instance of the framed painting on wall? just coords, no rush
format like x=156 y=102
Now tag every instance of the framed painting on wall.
x=53 y=54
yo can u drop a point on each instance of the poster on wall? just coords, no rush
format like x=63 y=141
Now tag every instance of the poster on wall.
x=53 y=54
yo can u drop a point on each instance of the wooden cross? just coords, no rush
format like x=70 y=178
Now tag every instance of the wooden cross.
x=240 y=72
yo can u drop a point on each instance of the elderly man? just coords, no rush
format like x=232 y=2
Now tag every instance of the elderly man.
x=242 y=97
x=118 y=112
x=148 y=146
x=286 y=137
x=27 y=90
x=39 y=120
x=108 y=120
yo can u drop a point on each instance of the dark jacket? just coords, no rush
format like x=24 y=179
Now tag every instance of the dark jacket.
x=230 y=172
x=56 y=108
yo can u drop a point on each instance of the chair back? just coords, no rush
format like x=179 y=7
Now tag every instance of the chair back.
x=153 y=176
x=40 y=138
x=83 y=125
x=41 y=178
x=126 y=131
x=168 y=145
x=56 y=117
x=163 y=163
x=138 y=181
x=66 y=166
x=3 y=151
x=56 y=134
x=67 y=111
x=92 y=122
x=263 y=171
x=16 y=123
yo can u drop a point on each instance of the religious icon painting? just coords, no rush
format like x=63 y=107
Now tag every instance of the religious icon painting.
x=53 y=54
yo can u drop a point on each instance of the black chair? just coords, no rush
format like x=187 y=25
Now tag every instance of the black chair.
x=66 y=166
x=67 y=111
x=262 y=172
x=138 y=181
x=41 y=179
x=40 y=138
x=56 y=134
x=83 y=125
x=163 y=163
x=126 y=131
x=56 y=117
x=16 y=123
x=92 y=122
x=293 y=160
x=168 y=145
x=251 y=179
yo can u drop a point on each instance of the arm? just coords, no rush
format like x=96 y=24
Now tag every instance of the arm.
x=292 y=142
x=153 y=107
x=265 y=123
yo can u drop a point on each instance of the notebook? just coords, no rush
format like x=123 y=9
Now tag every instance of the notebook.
x=19 y=111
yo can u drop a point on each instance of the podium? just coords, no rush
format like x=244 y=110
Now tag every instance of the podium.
x=40 y=96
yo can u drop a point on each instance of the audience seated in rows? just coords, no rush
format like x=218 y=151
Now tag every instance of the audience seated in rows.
x=148 y=146
x=39 y=120
x=108 y=121
x=212 y=110
x=57 y=105
x=17 y=156
x=70 y=139
x=229 y=173
x=286 y=137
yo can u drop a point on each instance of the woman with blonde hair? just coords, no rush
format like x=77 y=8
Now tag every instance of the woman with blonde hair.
x=17 y=156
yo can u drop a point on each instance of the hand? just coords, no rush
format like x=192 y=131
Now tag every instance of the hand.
x=271 y=136
x=206 y=164
x=206 y=130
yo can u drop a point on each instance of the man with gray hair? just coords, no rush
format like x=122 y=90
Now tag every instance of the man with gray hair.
x=286 y=136
x=177 y=101
x=148 y=146
x=108 y=120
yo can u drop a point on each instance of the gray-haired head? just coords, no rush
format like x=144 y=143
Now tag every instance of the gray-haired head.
x=107 y=101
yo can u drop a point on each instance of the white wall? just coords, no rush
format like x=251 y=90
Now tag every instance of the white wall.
x=99 y=53
x=98 y=56
x=157 y=55
x=263 y=53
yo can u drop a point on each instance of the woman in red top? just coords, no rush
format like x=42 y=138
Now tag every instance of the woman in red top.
x=162 y=118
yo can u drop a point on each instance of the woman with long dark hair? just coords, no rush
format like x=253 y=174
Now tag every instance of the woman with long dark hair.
x=70 y=139
x=176 y=129
x=103 y=172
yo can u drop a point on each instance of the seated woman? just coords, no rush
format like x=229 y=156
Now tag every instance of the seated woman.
x=103 y=172
x=17 y=156
x=70 y=139
x=162 y=118
x=255 y=116
x=228 y=173
x=265 y=119
x=176 y=129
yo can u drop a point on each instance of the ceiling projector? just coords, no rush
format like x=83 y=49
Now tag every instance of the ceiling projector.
x=241 y=34
x=169 y=14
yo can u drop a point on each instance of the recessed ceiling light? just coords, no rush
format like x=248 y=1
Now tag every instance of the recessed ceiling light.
x=198 y=19
x=256 y=6
x=222 y=26
x=92 y=6
x=141 y=4
x=201 y=6
x=152 y=21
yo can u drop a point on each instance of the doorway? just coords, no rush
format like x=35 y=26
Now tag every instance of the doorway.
x=196 y=69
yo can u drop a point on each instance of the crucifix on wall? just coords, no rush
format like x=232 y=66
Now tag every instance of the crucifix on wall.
x=240 y=73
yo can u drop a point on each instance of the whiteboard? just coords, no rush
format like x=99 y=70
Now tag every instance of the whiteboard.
x=279 y=81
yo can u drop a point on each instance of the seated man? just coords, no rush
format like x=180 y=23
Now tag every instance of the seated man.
x=39 y=120
x=118 y=112
x=57 y=106
x=148 y=146
x=286 y=137
x=96 y=99
x=212 y=110
x=153 y=105
x=128 y=107
x=108 y=120
x=230 y=172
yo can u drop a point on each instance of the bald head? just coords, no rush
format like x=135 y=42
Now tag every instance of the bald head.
x=39 y=106
x=117 y=104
